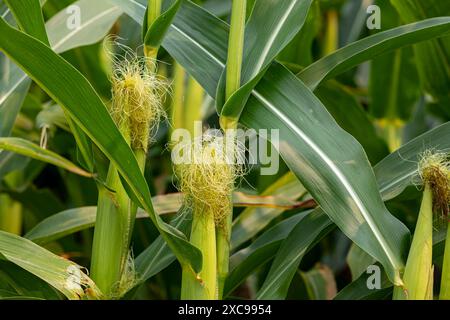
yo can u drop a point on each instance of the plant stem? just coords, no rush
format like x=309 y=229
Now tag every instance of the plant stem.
x=10 y=215
x=223 y=253
x=235 y=47
x=110 y=245
x=419 y=268
x=153 y=12
x=393 y=125
x=233 y=83
x=178 y=97
x=193 y=108
x=331 y=33
x=235 y=55
x=445 y=281
x=116 y=213
x=203 y=286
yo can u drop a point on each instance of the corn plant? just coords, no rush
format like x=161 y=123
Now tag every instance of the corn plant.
x=212 y=150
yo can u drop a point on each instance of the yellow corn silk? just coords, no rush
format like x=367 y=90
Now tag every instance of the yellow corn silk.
x=207 y=181
x=138 y=94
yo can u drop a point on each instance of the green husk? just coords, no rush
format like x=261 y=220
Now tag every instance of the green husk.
x=233 y=83
x=418 y=276
x=445 y=280
x=136 y=108
x=202 y=286
x=207 y=183
x=419 y=268
x=112 y=228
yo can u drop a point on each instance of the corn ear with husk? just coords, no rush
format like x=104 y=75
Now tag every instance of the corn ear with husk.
x=136 y=108
x=418 y=276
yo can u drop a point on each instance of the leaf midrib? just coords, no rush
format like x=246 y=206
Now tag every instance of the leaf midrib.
x=84 y=25
x=272 y=39
x=338 y=173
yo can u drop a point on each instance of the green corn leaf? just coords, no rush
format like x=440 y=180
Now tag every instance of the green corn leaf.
x=358 y=261
x=10 y=161
x=247 y=260
x=10 y=103
x=305 y=234
x=62 y=274
x=399 y=170
x=154 y=34
x=388 y=176
x=393 y=94
x=31 y=150
x=359 y=290
x=96 y=20
x=203 y=54
x=359 y=125
x=299 y=50
x=271 y=26
x=70 y=221
x=244 y=262
x=16 y=282
x=432 y=57
x=188 y=42
x=390 y=246
x=81 y=102
x=29 y=17
x=253 y=220
x=158 y=255
x=11 y=96
x=371 y=47
x=320 y=283
x=335 y=157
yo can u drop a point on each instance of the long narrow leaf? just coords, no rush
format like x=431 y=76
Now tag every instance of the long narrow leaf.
x=73 y=92
x=270 y=28
x=397 y=240
x=62 y=274
x=370 y=47
x=31 y=150
x=73 y=220
x=330 y=163
x=28 y=15
x=96 y=20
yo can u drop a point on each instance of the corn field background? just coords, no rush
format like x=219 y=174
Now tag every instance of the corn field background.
x=348 y=100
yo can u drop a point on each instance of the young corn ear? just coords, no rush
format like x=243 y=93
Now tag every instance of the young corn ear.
x=418 y=276
x=442 y=193
x=136 y=108
x=207 y=182
x=138 y=94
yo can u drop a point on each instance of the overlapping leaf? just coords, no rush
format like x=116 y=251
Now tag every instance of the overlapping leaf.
x=372 y=46
x=62 y=274
x=388 y=236
x=74 y=93
x=271 y=26
x=31 y=150
x=96 y=20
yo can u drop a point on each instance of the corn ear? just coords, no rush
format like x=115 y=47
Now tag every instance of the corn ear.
x=445 y=281
x=419 y=268
x=203 y=236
